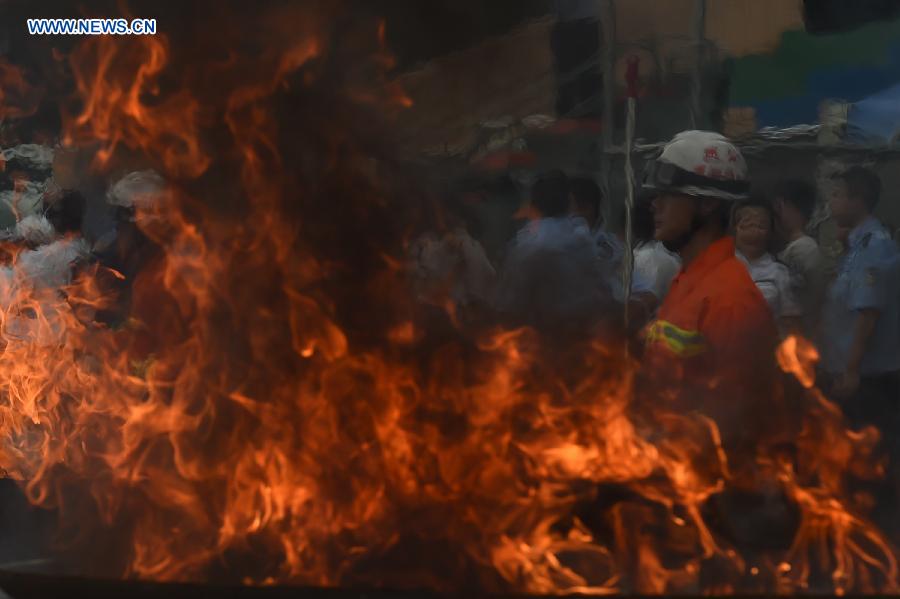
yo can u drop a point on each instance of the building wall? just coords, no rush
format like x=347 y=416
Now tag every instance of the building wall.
x=662 y=32
x=788 y=86
x=742 y=27
x=512 y=75
x=506 y=76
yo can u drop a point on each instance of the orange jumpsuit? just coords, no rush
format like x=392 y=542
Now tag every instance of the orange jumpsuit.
x=712 y=347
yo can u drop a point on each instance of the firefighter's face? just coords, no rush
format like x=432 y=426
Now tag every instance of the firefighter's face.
x=673 y=216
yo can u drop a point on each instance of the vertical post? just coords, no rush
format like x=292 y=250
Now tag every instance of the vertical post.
x=631 y=77
x=697 y=75
x=608 y=25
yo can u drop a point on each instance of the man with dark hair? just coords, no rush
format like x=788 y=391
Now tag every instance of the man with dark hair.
x=862 y=184
x=861 y=328
x=860 y=342
x=794 y=203
x=586 y=200
x=550 y=194
x=798 y=197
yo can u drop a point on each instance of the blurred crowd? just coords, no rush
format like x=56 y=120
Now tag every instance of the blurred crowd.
x=45 y=249
x=565 y=268
x=721 y=274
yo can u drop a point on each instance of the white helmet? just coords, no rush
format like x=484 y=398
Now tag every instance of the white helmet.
x=699 y=163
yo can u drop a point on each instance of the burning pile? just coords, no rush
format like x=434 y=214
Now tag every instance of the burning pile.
x=274 y=411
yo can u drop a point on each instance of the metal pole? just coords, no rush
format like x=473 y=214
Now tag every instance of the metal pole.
x=628 y=259
x=608 y=24
x=697 y=74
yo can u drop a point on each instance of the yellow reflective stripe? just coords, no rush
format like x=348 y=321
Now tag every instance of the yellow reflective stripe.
x=682 y=342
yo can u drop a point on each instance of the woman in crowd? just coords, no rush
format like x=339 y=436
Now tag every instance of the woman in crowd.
x=754 y=222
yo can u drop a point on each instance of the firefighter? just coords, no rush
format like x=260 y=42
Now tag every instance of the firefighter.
x=713 y=342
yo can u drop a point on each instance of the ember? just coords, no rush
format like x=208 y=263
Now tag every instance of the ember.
x=275 y=408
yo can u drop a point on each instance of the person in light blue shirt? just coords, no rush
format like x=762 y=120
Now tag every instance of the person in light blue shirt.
x=552 y=278
x=861 y=321
x=860 y=344
x=586 y=201
x=861 y=324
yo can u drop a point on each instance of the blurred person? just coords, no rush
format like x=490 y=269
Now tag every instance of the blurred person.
x=860 y=329
x=134 y=199
x=586 y=201
x=652 y=261
x=713 y=341
x=643 y=299
x=552 y=277
x=452 y=265
x=861 y=321
x=35 y=284
x=145 y=268
x=754 y=223
x=129 y=249
x=586 y=204
x=54 y=241
x=842 y=236
x=795 y=202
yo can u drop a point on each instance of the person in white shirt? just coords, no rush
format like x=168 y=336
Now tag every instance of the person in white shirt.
x=451 y=266
x=653 y=263
x=794 y=204
x=754 y=221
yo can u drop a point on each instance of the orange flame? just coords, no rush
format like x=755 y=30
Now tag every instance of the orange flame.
x=799 y=357
x=18 y=98
x=115 y=80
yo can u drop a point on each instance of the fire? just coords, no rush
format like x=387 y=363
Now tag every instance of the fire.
x=116 y=114
x=275 y=408
x=799 y=357
x=18 y=98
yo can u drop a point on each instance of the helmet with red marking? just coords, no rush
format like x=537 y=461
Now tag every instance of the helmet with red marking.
x=699 y=163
